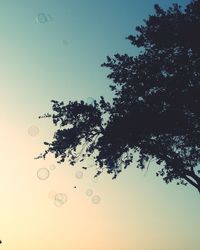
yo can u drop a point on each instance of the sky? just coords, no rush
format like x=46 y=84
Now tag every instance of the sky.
x=53 y=49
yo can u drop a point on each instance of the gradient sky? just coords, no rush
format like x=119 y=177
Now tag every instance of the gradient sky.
x=60 y=59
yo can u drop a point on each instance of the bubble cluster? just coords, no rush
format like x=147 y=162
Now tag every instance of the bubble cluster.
x=43 y=18
x=96 y=199
x=79 y=174
x=43 y=173
x=52 y=167
x=33 y=130
x=60 y=199
x=89 y=192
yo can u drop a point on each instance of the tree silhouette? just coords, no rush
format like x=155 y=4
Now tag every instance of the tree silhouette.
x=155 y=109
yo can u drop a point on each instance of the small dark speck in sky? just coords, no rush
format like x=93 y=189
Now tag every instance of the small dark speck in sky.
x=74 y=186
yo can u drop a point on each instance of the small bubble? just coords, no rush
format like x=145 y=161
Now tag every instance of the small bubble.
x=89 y=192
x=58 y=203
x=79 y=174
x=43 y=173
x=60 y=199
x=52 y=167
x=33 y=130
x=96 y=199
x=43 y=18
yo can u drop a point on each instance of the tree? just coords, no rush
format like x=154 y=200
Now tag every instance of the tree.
x=155 y=109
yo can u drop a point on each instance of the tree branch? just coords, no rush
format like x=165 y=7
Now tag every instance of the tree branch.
x=192 y=182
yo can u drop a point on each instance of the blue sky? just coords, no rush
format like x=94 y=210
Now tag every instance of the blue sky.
x=61 y=59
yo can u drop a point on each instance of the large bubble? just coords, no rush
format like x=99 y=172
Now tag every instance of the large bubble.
x=33 y=130
x=96 y=199
x=43 y=173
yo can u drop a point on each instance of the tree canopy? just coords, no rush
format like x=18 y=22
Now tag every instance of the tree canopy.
x=155 y=109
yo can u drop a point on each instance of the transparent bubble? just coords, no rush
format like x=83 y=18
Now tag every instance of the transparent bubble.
x=90 y=101
x=43 y=173
x=33 y=130
x=60 y=199
x=96 y=199
x=51 y=195
x=43 y=18
x=79 y=174
x=58 y=203
x=89 y=192
x=52 y=167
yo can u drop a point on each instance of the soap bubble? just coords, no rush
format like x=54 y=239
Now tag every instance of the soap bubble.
x=60 y=199
x=43 y=18
x=79 y=174
x=96 y=199
x=33 y=130
x=52 y=167
x=89 y=192
x=58 y=203
x=43 y=173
